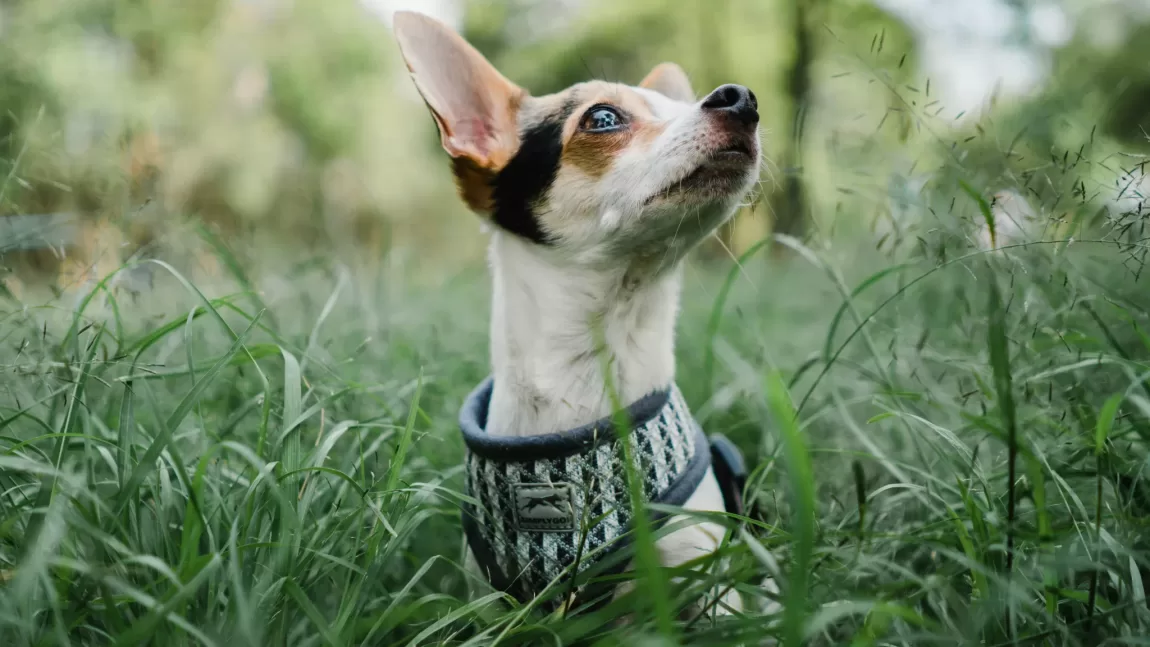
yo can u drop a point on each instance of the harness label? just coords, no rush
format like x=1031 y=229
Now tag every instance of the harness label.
x=547 y=507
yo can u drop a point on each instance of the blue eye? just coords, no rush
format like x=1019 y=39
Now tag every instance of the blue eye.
x=602 y=119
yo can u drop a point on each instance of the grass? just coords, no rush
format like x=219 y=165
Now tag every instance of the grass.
x=208 y=478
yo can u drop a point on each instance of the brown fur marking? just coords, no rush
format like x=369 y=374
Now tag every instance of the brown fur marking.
x=594 y=153
x=474 y=183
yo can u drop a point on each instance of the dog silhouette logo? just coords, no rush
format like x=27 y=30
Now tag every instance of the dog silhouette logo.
x=545 y=506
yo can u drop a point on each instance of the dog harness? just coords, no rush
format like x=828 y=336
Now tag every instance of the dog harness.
x=555 y=506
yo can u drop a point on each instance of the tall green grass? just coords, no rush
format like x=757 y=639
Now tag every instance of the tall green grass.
x=969 y=469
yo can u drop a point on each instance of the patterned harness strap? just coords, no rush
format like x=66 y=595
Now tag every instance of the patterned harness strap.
x=557 y=505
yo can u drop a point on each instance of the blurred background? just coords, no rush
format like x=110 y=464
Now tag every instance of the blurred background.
x=132 y=129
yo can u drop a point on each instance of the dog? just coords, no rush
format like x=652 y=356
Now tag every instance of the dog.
x=593 y=196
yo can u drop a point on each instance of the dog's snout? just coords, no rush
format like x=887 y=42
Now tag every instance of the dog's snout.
x=734 y=101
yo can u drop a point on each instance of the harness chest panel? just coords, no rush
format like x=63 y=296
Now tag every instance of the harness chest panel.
x=556 y=504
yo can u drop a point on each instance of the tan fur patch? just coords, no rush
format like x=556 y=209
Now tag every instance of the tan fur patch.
x=594 y=153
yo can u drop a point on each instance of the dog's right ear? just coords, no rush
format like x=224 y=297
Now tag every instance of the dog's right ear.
x=473 y=104
x=671 y=81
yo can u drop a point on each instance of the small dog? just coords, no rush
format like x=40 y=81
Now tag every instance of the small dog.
x=595 y=195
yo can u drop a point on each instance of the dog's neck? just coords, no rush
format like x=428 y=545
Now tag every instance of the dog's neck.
x=555 y=331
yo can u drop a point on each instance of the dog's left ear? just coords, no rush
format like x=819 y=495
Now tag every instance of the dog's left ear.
x=670 y=81
x=475 y=107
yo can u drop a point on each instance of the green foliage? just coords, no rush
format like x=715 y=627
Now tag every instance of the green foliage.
x=231 y=92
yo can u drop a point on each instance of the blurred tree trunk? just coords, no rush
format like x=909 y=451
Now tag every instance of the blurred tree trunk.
x=789 y=203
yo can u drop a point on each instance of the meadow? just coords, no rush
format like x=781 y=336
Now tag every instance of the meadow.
x=966 y=466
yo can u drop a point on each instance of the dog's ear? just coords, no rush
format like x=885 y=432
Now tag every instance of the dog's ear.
x=473 y=104
x=670 y=81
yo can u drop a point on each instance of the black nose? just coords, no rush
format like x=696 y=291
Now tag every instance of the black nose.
x=735 y=101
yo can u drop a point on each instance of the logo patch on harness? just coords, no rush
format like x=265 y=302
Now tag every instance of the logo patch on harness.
x=549 y=507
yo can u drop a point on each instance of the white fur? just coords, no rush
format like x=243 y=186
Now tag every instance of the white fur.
x=546 y=359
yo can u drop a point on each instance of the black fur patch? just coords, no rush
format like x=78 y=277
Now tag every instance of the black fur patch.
x=518 y=188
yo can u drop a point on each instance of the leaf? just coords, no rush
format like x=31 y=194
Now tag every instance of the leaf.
x=1004 y=387
x=716 y=317
x=293 y=402
x=801 y=481
x=236 y=269
x=980 y=585
x=1106 y=422
x=859 y=289
x=142 y=630
x=984 y=208
x=312 y=612
x=400 y=456
x=147 y=463
x=73 y=411
x=127 y=428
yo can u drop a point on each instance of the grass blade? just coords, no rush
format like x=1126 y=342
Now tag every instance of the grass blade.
x=396 y=468
x=1101 y=434
x=801 y=487
x=147 y=463
x=984 y=209
x=236 y=269
x=717 y=309
x=308 y=607
x=1004 y=389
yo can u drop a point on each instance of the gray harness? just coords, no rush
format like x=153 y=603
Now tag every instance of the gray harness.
x=557 y=505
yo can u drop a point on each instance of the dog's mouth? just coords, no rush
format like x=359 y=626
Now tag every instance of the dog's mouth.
x=734 y=151
x=723 y=171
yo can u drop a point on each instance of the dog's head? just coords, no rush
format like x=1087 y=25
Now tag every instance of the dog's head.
x=598 y=173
